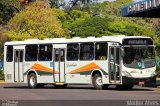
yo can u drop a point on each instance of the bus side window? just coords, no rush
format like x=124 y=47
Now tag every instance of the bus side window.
x=45 y=53
x=72 y=52
x=31 y=53
x=9 y=57
x=87 y=51
x=101 y=51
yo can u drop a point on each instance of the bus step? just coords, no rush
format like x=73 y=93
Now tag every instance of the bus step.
x=59 y=83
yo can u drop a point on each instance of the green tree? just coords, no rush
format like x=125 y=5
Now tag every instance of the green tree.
x=1 y=75
x=122 y=25
x=7 y=10
x=35 y=21
x=3 y=39
x=67 y=18
x=107 y=8
x=128 y=27
x=91 y=26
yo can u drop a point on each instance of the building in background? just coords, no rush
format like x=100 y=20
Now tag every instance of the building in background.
x=145 y=8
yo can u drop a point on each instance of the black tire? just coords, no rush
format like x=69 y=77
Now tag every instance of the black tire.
x=32 y=81
x=125 y=87
x=60 y=86
x=98 y=86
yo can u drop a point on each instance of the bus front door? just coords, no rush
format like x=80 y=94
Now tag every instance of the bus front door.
x=59 y=65
x=18 y=65
x=114 y=65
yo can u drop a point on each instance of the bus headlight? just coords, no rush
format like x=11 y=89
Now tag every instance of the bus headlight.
x=127 y=74
x=153 y=74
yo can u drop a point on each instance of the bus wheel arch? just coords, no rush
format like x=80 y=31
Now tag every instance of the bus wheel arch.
x=97 y=80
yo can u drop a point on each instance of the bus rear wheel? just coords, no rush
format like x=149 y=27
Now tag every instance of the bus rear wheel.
x=97 y=82
x=32 y=81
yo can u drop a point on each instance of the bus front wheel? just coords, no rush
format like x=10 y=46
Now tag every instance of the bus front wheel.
x=97 y=82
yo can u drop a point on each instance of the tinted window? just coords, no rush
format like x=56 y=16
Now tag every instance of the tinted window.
x=72 y=51
x=56 y=54
x=45 y=53
x=31 y=53
x=19 y=56
x=87 y=51
x=9 y=57
x=101 y=51
x=59 y=54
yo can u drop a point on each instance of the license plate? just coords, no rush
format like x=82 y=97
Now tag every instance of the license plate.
x=141 y=83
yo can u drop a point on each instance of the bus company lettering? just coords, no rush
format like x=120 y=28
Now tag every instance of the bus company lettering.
x=71 y=65
x=26 y=64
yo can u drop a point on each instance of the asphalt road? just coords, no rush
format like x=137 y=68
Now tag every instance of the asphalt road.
x=78 y=93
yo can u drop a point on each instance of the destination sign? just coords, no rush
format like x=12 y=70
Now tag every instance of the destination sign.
x=138 y=41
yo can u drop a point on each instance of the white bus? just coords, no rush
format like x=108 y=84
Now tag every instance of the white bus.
x=108 y=60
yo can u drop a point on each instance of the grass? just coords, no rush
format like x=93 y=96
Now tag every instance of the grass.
x=2 y=81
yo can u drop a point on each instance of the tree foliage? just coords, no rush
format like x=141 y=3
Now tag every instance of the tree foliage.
x=1 y=75
x=69 y=17
x=35 y=21
x=128 y=27
x=7 y=10
x=3 y=39
x=91 y=26
x=114 y=23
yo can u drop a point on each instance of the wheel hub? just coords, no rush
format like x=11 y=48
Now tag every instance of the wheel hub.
x=99 y=81
x=32 y=81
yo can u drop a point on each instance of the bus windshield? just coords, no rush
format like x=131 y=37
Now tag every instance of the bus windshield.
x=139 y=57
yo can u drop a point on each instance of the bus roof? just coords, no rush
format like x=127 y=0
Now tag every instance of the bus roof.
x=114 y=38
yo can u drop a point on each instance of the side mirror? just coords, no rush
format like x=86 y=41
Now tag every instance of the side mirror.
x=122 y=52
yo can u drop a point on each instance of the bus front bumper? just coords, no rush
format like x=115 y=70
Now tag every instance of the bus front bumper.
x=139 y=81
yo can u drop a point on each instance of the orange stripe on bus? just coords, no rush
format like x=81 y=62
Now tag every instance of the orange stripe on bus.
x=87 y=67
x=41 y=68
